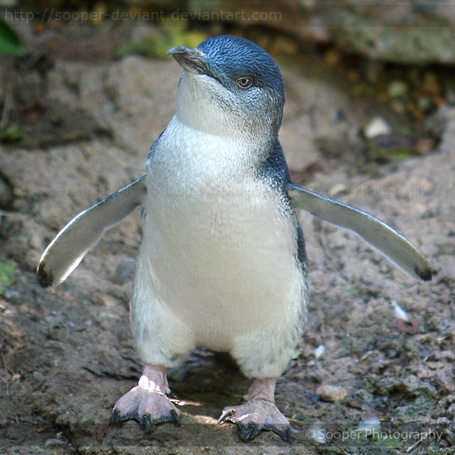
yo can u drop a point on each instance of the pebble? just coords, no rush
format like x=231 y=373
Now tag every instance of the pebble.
x=318 y=434
x=319 y=351
x=53 y=442
x=370 y=421
x=38 y=376
x=12 y=295
x=377 y=127
x=331 y=393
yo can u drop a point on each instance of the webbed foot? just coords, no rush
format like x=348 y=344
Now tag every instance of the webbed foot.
x=254 y=416
x=258 y=413
x=147 y=403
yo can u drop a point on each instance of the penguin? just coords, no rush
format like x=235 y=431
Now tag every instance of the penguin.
x=222 y=261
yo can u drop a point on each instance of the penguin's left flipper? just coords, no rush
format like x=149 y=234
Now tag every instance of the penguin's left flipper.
x=373 y=231
x=84 y=231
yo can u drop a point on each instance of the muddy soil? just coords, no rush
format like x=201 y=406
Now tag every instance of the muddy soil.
x=66 y=353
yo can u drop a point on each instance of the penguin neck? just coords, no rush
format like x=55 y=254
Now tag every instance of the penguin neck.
x=215 y=113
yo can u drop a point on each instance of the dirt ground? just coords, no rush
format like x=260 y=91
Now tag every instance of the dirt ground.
x=66 y=353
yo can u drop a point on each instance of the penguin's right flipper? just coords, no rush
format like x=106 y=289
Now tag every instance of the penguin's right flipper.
x=373 y=231
x=84 y=231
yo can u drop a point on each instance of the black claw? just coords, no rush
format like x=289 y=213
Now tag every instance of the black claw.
x=285 y=435
x=248 y=432
x=226 y=416
x=174 y=416
x=146 y=423
x=171 y=417
x=45 y=279
x=115 y=417
x=171 y=394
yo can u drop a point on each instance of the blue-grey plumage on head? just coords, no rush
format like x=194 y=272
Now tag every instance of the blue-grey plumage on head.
x=241 y=78
x=222 y=262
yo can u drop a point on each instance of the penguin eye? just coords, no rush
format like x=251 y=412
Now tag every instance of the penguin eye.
x=244 y=82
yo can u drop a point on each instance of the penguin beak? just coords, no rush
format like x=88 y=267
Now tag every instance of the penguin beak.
x=191 y=60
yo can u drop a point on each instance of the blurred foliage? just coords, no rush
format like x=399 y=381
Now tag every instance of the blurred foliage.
x=8 y=275
x=380 y=152
x=10 y=43
x=157 y=46
x=12 y=133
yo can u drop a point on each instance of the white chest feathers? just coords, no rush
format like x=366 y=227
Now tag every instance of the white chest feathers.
x=220 y=249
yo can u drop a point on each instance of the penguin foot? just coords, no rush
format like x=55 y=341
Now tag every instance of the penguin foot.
x=256 y=415
x=147 y=403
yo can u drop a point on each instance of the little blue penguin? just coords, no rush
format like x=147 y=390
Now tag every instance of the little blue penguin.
x=222 y=262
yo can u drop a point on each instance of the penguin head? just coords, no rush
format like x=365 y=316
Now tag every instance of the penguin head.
x=230 y=86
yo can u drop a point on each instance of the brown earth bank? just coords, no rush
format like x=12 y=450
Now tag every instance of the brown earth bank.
x=87 y=122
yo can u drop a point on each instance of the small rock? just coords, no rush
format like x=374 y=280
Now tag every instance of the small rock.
x=331 y=393
x=54 y=442
x=318 y=434
x=319 y=351
x=13 y=295
x=38 y=376
x=370 y=421
x=377 y=127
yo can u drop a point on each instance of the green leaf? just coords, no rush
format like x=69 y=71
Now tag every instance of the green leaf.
x=393 y=152
x=10 y=43
x=157 y=46
x=8 y=275
x=12 y=133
